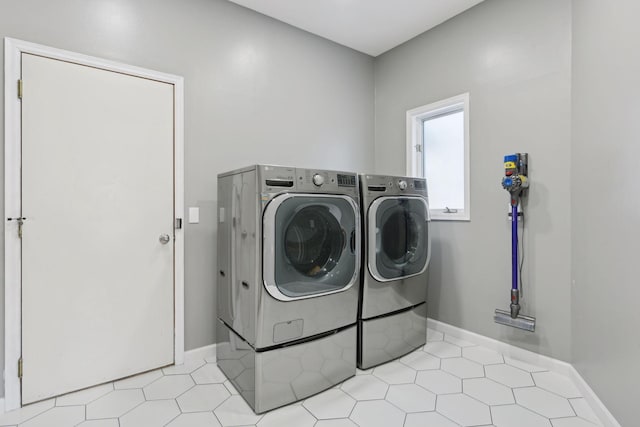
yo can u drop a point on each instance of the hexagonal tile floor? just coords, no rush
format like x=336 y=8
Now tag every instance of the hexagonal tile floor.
x=447 y=383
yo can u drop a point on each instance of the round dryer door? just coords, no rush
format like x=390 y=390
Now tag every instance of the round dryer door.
x=311 y=245
x=399 y=241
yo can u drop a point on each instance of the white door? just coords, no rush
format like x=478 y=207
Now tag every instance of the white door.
x=97 y=195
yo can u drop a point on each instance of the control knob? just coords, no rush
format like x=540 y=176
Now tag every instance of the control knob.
x=402 y=184
x=318 y=180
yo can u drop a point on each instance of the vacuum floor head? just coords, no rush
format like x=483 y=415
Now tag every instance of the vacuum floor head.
x=503 y=317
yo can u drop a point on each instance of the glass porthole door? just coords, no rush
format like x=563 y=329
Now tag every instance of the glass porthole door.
x=399 y=244
x=311 y=245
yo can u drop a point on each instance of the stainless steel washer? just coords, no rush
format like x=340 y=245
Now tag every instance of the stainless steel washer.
x=392 y=318
x=288 y=285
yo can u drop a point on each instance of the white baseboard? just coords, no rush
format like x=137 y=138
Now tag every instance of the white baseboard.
x=532 y=358
x=2 y=405
x=208 y=351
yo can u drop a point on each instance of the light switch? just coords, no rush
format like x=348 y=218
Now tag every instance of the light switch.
x=194 y=215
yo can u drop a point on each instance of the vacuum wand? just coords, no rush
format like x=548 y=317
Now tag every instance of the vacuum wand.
x=516 y=183
x=515 y=292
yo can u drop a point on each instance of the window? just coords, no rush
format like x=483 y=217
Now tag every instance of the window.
x=438 y=150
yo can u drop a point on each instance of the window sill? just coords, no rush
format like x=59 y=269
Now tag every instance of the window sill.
x=450 y=217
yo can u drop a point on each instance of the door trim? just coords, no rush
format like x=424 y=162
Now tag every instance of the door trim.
x=13 y=49
x=269 y=238
x=372 y=237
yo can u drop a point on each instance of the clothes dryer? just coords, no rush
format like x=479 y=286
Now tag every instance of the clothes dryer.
x=288 y=285
x=392 y=318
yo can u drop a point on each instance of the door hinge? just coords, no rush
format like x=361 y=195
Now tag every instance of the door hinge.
x=178 y=223
x=20 y=89
x=418 y=148
x=20 y=368
x=20 y=221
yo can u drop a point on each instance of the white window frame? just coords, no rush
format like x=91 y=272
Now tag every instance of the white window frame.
x=415 y=155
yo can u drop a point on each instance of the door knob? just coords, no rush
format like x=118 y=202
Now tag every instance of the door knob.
x=164 y=239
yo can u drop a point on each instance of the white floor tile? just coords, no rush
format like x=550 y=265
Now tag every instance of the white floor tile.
x=556 y=383
x=517 y=416
x=288 y=416
x=463 y=409
x=114 y=404
x=488 y=391
x=509 y=375
x=333 y=403
x=67 y=416
x=430 y=419
x=482 y=355
x=442 y=349
x=112 y=422
x=201 y=398
x=395 y=373
x=138 y=381
x=463 y=368
x=235 y=411
x=377 y=413
x=433 y=335
x=186 y=368
x=83 y=397
x=364 y=371
x=168 y=387
x=153 y=413
x=208 y=374
x=365 y=387
x=439 y=382
x=583 y=410
x=543 y=402
x=457 y=341
x=26 y=412
x=195 y=419
x=342 y=422
x=426 y=390
x=230 y=387
x=523 y=365
x=411 y=398
x=571 y=422
x=421 y=361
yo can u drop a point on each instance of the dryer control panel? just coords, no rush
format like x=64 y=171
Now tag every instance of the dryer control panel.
x=393 y=185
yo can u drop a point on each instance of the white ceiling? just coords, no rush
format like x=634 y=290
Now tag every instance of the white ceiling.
x=369 y=26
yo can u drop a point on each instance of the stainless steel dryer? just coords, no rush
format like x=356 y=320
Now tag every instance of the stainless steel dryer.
x=288 y=284
x=392 y=318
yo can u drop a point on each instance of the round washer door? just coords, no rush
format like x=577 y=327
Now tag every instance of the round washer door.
x=399 y=240
x=311 y=245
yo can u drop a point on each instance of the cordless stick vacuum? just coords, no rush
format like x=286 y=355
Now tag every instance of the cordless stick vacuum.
x=515 y=182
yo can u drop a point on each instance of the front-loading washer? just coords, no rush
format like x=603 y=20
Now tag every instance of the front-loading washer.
x=392 y=316
x=288 y=285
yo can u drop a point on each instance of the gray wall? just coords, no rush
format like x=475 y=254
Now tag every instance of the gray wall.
x=514 y=58
x=257 y=90
x=605 y=205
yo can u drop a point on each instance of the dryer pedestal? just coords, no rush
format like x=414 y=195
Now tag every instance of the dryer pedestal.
x=283 y=375
x=388 y=337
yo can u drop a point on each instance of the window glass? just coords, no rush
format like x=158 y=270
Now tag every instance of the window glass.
x=443 y=142
x=438 y=150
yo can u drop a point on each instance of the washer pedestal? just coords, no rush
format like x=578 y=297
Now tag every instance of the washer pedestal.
x=279 y=376
x=388 y=337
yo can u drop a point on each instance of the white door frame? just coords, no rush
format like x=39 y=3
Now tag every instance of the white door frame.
x=13 y=50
